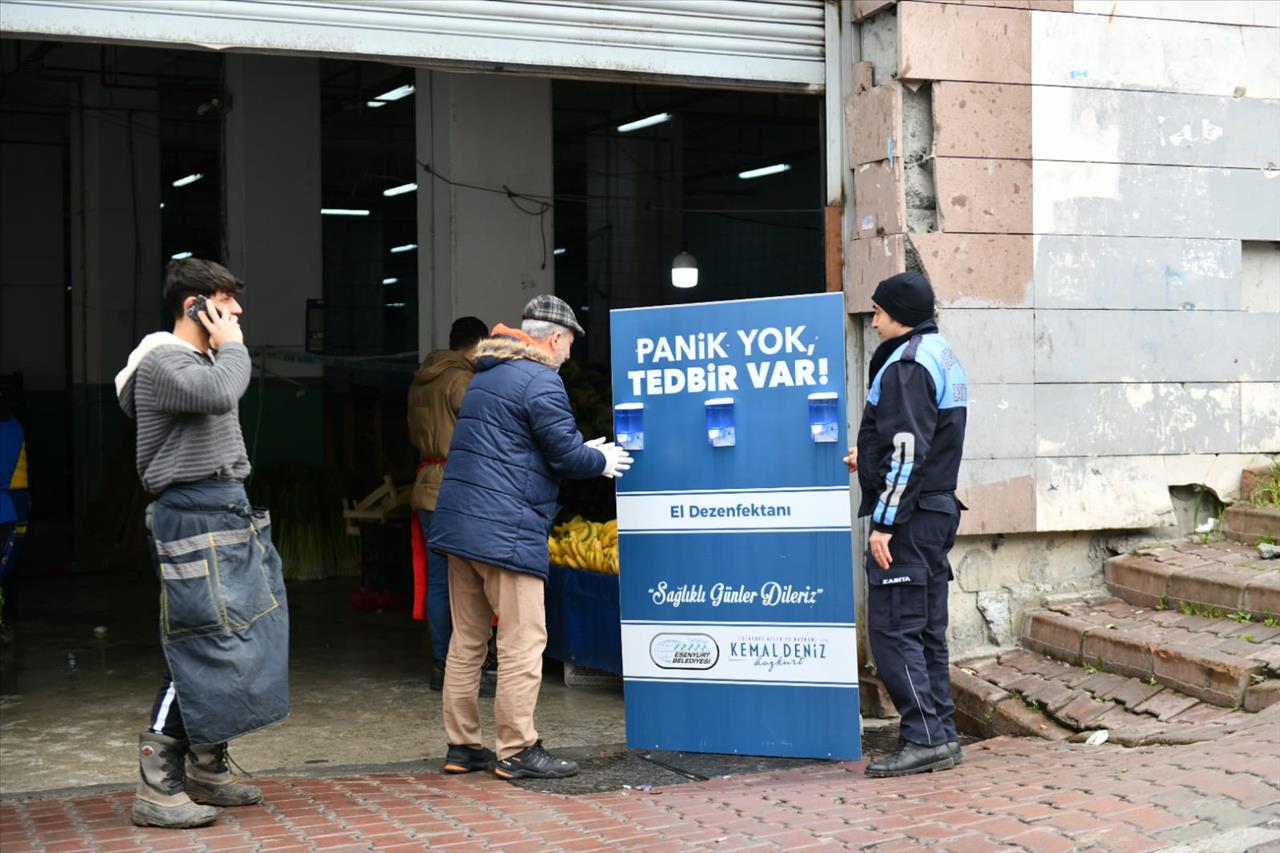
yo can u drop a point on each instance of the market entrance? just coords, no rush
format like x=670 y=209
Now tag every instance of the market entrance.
x=343 y=303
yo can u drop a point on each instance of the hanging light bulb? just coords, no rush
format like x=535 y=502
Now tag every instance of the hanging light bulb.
x=684 y=269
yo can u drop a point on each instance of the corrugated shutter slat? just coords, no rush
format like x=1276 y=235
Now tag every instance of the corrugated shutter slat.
x=754 y=43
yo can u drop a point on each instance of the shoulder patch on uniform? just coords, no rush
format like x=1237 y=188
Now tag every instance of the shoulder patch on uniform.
x=909 y=354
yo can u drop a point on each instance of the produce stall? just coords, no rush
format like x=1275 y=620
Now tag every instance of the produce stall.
x=583 y=617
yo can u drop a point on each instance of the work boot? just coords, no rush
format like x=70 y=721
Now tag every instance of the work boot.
x=912 y=758
x=536 y=762
x=160 y=799
x=464 y=759
x=957 y=757
x=209 y=779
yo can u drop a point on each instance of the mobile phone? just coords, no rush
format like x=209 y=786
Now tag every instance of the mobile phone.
x=201 y=304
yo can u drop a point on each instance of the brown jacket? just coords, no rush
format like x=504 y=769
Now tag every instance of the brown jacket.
x=434 y=400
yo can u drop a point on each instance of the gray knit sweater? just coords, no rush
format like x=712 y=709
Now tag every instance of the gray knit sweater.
x=187 y=405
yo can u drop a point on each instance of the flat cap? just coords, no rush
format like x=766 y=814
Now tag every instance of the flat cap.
x=552 y=309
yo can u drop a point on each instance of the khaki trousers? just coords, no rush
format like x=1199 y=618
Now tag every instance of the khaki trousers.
x=477 y=592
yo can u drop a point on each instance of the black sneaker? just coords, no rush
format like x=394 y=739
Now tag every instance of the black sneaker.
x=465 y=759
x=957 y=757
x=536 y=762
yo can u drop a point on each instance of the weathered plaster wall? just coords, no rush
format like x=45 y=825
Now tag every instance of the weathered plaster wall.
x=1104 y=241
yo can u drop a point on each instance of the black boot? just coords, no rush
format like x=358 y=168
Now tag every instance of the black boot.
x=912 y=758
x=489 y=671
x=437 y=675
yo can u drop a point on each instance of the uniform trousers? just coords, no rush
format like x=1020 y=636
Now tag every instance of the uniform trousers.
x=907 y=620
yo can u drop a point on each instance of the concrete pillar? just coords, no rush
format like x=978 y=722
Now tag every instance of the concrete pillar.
x=272 y=183
x=481 y=253
x=116 y=266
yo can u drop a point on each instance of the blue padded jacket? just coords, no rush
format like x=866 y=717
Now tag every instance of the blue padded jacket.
x=514 y=442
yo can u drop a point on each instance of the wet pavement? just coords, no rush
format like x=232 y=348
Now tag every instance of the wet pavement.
x=357 y=765
x=72 y=699
x=1010 y=793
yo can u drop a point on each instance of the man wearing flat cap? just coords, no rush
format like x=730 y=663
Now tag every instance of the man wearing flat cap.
x=907 y=459
x=514 y=441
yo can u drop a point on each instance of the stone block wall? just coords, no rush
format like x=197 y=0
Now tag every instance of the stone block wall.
x=1094 y=189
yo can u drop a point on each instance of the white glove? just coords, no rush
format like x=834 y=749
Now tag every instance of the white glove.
x=616 y=460
x=596 y=442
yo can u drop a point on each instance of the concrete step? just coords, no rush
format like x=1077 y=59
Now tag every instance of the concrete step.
x=1021 y=692
x=1225 y=659
x=1225 y=576
x=1250 y=524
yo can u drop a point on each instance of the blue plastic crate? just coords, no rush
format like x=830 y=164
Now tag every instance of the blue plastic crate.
x=584 y=620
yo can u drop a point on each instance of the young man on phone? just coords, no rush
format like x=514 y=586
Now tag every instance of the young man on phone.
x=224 y=623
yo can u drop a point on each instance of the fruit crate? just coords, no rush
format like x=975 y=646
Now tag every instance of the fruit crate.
x=584 y=621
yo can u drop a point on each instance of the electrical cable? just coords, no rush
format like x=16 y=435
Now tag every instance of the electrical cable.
x=544 y=203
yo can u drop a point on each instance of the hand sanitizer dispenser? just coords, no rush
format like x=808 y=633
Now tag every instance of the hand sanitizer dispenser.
x=720 y=422
x=823 y=424
x=628 y=425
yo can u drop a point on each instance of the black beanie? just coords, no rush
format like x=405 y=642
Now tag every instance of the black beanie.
x=906 y=297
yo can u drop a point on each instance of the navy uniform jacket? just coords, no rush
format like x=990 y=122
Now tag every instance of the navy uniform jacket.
x=912 y=431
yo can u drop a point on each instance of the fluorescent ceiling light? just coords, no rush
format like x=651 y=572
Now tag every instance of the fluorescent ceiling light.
x=400 y=190
x=394 y=95
x=342 y=211
x=189 y=179
x=180 y=256
x=559 y=251
x=391 y=280
x=644 y=122
x=765 y=170
x=394 y=305
x=407 y=247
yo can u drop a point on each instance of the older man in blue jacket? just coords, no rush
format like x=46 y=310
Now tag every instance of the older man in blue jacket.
x=514 y=442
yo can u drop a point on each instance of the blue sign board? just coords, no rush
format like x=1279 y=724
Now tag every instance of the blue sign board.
x=736 y=565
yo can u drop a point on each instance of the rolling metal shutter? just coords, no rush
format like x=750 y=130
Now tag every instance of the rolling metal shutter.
x=759 y=44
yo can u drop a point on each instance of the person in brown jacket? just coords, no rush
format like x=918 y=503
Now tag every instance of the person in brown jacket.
x=434 y=400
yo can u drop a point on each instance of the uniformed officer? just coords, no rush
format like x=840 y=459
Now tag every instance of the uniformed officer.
x=907 y=458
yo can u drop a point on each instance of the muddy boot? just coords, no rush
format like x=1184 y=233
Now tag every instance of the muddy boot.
x=209 y=779
x=160 y=800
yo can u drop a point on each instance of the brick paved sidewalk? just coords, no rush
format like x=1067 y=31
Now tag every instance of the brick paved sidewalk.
x=1023 y=793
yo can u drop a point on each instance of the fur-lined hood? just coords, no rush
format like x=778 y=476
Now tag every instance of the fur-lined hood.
x=509 y=344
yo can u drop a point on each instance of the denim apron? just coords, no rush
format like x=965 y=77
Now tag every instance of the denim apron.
x=224 y=619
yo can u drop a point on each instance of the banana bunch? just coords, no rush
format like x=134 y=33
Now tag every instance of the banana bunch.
x=583 y=544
